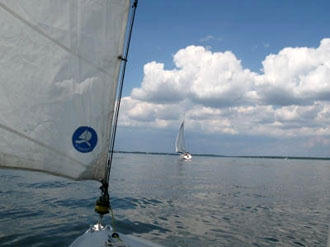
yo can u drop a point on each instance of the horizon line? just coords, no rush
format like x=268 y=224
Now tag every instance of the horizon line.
x=230 y=156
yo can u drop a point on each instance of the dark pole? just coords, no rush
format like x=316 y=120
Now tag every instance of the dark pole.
x=103 y=203
x=124 y=59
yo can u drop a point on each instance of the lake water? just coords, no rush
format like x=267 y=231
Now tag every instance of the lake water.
x=208 y=201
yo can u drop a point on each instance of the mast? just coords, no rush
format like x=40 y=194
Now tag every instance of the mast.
x=103 y=203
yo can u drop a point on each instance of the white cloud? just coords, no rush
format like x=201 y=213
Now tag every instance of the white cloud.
x=160 y=86
x=134 y=112
x=209 y=38
x=296 y=76
x=290 y=97
x=212 y=79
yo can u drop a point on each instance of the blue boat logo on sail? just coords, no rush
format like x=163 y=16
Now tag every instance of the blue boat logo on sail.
x=84 y=139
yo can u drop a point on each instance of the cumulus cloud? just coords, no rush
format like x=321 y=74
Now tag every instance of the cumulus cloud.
x=211 y=79
x=300 y=75
x=161 y=86
x=290 y=97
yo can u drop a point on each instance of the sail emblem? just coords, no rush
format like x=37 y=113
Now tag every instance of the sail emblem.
x=84 y=139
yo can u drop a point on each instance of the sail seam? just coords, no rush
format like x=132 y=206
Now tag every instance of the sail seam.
x=42 y=33
x=4 y=127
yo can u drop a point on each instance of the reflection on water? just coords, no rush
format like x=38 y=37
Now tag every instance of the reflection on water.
x=207 y=201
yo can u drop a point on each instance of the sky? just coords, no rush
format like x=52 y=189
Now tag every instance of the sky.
x=249 y=78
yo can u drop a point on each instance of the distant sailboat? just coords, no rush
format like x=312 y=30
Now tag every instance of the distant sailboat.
x=62 y=69
x=180 y=144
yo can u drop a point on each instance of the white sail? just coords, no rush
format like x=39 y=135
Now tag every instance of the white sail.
x=180 y=142
x=59 y=69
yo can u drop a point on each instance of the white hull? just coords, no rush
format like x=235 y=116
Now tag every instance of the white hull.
x=102 y=236
x=186 y=156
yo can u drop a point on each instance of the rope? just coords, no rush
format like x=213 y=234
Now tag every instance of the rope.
x=115 y=234
x=113 y=220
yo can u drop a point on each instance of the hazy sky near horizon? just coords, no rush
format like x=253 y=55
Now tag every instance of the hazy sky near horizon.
x=249 y=77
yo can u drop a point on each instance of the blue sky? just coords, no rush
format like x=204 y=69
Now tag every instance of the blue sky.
x=237 y=36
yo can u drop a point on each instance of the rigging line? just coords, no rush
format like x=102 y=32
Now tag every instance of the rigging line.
x=124 y=60
x=42 y=33
x=4 y=127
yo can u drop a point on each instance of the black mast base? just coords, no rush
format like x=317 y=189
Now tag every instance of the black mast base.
x=102 y=205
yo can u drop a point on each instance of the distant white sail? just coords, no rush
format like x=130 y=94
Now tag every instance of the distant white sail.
x=59 y=69
x=180 y=142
